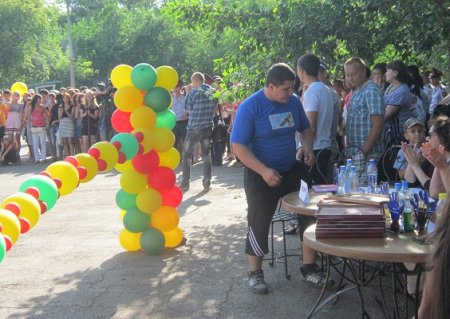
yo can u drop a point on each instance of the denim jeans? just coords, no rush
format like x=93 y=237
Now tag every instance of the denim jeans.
x=193 y=136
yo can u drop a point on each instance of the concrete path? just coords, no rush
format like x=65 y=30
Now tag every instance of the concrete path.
x=71 y=264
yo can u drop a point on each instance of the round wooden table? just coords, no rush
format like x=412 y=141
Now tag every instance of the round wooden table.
x=292 y=203
x=395 y=249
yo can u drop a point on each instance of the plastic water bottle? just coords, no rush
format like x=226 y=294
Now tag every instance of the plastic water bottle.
x=348 y=167
x=341 y=180
x=336 y=175
x=353 y=180
x=408 y=222
x=372 y=177
x=401 y=200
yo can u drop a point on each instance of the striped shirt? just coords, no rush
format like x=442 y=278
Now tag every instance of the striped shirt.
x=365 y=102
x=201 y=106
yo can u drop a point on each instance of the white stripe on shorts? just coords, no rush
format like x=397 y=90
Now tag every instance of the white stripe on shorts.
x=258 y=251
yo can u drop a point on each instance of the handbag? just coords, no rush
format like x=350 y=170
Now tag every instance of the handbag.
x=220 y=130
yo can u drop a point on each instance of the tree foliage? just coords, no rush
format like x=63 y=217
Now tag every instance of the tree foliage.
x=237 y=39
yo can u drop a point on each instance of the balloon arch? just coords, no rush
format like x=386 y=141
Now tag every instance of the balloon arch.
x=142 y=152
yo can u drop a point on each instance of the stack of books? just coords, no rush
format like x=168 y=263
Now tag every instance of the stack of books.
x=349 y=218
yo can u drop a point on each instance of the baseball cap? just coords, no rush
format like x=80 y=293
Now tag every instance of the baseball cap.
x=411 y=122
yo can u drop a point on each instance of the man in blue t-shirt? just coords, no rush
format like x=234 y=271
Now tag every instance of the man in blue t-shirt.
x=263 y=138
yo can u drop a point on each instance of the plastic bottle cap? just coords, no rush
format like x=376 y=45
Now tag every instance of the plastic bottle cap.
x=372 y=161
x=442 y=196
x=405 y=184
x=398 y=186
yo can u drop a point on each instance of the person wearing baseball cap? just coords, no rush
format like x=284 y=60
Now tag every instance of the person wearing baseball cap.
x=410 y=163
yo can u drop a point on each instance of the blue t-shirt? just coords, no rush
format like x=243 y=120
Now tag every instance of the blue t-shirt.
x=268 y=129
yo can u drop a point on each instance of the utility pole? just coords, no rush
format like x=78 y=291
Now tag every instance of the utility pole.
x=69 y=37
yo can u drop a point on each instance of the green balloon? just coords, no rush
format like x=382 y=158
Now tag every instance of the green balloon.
x=48 y=191
x=159 y=99
x=129 y=144
x=152 y=241
x=143 y=76
x=166 y=119
x=136 y=221
x=125 y=200
x=2 y=248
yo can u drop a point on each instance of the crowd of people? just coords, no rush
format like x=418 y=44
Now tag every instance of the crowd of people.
x=55 y=123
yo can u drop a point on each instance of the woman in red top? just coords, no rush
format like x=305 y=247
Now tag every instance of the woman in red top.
x=38 y=129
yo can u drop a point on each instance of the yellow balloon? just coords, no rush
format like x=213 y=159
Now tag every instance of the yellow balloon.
x=130 y=241
x=68 y=175
x=148 y=200
x=165 y=219
x=29 y=206
x=19 y=87
x=143 y=117
x=173 y=238
x=167 y=77
x=128 y=98
x=122 y=214
x=163 y=139
x=121 y=76
x=147 y=142
x=90 y=164
x=10 y=225
x=171 y=158
x=108 y=153
x=122 y=168
x=133 y=182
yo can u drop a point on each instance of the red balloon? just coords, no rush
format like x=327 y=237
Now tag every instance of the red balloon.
x=172 y=197
x=72 y=160
x=139 y=136
x=82 y=171
x=8 y=242
x=162 y=178
x=101 y=165
x=43 y=207
x=13 y=208
x=33 y=191
x=58 y=182
x=117 y=145
x=146 y=163
x=24 y=225
x=45 y=173
x=122 y=158
x=94 y=152
x=121 y=121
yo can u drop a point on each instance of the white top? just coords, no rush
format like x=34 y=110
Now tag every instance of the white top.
x=319 y=98
x=179 y=107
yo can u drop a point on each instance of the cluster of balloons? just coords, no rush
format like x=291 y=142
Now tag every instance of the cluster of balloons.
x=142 y=151
x=148 y=196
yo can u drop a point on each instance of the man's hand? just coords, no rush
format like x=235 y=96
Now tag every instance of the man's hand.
x=300 y=153
x=309 y=158
x=271 y=177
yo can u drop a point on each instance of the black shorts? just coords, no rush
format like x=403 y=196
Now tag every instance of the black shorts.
x=262 y=202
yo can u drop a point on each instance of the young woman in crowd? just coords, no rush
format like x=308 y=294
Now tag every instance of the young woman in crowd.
x=38 y=118
x=78 y=99
x=89 y=114
x=14 y=120
x=67 y=125
x=7 y=152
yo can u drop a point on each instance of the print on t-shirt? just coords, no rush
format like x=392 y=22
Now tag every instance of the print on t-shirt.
x=281 y=120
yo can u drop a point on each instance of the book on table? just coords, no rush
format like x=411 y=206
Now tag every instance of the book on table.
x=349 y=220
